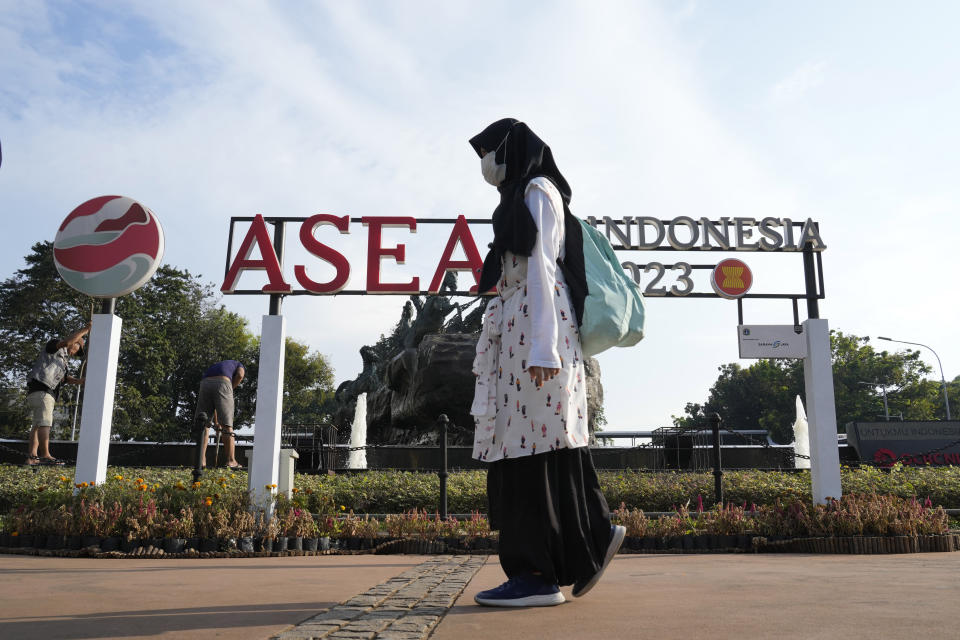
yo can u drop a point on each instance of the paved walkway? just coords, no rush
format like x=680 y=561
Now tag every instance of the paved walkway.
x=739 y=596
x=406 y=607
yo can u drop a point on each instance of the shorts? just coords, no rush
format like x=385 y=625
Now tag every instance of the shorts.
x=216 y=394
x=41 y=404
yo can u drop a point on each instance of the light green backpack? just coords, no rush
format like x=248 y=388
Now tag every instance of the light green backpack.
x=613 y=310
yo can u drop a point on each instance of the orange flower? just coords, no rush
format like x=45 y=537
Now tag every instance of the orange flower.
x=208 y=501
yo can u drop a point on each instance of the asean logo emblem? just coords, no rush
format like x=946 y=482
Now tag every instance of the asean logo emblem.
x=108 y=246
x=731 y=278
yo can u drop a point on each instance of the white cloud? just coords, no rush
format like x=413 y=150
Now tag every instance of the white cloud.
x=802 y=80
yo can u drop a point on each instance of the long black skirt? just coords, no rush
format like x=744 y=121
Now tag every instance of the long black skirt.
x=551 y=514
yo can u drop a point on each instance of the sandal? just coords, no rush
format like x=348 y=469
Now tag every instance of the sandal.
x=235 y=467
x=32 y=464
x=52 y=461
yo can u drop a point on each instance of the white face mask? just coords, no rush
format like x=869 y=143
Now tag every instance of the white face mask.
x=492 y=172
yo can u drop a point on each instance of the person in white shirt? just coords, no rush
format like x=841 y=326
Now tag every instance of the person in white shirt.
x=530 y=404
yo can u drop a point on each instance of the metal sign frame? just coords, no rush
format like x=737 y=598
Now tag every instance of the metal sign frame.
x=818 y=378
x=812 y=261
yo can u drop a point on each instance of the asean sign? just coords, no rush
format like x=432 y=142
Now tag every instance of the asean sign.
x=731 y=278
x=257 y=240
x=108 y=246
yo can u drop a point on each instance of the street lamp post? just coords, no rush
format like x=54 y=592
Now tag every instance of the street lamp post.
x=943 y=381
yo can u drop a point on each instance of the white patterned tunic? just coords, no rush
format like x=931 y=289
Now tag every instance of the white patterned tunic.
x=530 y=323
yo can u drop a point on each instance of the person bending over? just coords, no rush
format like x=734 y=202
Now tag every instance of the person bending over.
x=215 y=398
x=44 y=381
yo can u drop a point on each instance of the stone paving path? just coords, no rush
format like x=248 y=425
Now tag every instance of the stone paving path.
x=405 y=607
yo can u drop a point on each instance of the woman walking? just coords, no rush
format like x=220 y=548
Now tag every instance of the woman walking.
x=530 y=404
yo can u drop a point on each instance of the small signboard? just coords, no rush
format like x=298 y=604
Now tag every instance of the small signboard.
x=770 y=341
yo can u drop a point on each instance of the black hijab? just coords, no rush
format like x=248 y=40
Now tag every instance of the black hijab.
x=527 y=157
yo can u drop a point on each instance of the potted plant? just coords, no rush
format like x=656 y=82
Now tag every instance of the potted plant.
x=57 y=522
x=309 y=533
x=266 y=532
x=368 y=531
x=327 y=527
x=349 y=526
x=142 y=525
x=728 y=523
x=244 y=525
x=635 y=522
x=297 y=524
x=177 y=527
x=207 y=523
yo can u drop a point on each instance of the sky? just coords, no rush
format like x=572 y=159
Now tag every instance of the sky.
x=845 y=113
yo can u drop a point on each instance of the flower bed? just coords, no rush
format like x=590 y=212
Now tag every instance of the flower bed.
x=133 y=516
x=889 y=524
x=144 y=509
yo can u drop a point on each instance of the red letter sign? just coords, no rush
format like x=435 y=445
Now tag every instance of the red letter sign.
x=322 y=251
x=257 y=234
x=375 y=252
x=473 y=263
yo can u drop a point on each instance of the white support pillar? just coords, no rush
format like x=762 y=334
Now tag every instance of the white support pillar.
x=288 y=465
x=821 y=412
x=96 y=417
x=264 y=469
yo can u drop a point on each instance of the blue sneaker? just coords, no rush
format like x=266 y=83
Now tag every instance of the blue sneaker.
x=521 y=591
x=617 y=533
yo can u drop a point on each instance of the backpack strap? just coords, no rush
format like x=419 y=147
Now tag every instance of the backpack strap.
x=572 y=266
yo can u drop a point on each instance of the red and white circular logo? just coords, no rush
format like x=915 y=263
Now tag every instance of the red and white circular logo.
x=731 y=278
x=108 y=246
x=885 y=457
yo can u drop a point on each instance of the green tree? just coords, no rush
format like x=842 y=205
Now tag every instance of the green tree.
x=762 y=396
x=307 y=385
